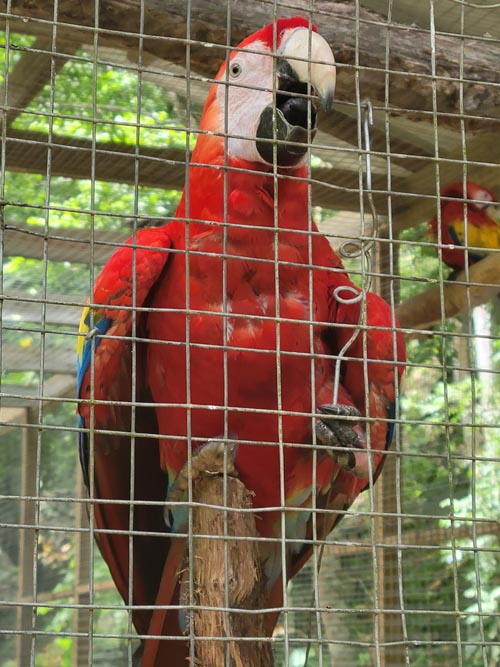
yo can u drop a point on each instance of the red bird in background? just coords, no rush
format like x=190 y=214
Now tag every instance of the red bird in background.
x=233 y=323
x=467 y=238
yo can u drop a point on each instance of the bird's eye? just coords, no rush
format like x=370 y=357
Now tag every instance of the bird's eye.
x=235 y=70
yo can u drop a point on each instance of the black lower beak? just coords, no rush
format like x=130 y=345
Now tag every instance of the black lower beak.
x=285 y=131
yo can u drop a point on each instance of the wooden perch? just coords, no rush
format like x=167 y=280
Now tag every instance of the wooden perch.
x=348 y=28
x=242 y=571
x=424 y=310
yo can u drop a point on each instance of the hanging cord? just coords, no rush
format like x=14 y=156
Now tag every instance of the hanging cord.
x=350 y=249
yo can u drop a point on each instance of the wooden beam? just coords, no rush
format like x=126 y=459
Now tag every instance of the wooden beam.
x=71 y=245
x=19 y=397
x=386 y=494
x=81 y=592
x=335 y=187
x=74 y=158
x=415 y=539
x=10 y=414
x=354 y=33
x=26 y=615
x=19 y=306
x=30 y=75
x=57 y=360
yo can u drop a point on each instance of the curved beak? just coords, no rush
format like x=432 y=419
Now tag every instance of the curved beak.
x=305 y=71
x=312 y=61
x=493 y=213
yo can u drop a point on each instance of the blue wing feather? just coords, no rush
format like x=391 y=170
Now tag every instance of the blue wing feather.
x=85 y=346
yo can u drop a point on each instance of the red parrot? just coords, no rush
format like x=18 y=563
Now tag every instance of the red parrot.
x=233 y=316
x=481 y=231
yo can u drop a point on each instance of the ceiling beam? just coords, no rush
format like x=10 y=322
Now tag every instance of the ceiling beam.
x=59 y=360
x=80 y=158
x=31 y=74
x=58 y=309
x=72 y=245
x=358 y=37
x=28 y=396
x=332 y=187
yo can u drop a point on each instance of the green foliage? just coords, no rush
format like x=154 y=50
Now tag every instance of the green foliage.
x=124 y=112
x=107 y=104
x=12 y=51
x=450 y=481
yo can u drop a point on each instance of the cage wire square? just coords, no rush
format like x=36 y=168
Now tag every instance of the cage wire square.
x=101 y=108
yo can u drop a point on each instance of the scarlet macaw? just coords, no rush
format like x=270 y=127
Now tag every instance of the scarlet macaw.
x=247 y=286
x=479 y=232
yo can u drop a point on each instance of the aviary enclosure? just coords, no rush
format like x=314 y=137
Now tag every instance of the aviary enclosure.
x=100 y=108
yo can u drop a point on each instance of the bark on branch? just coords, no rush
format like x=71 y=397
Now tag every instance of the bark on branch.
x=165 y=32
x=234 y=577
x=424 y=310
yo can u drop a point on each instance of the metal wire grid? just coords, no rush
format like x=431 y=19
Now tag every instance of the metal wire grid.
x=377 y=539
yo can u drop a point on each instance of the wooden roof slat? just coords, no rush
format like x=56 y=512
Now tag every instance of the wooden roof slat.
x=63 y=244
x=73 y=158
x=56 y=359
x=28 y=396
x=448 y=16
x=408 y=133
x=30 y=75
x=161 y=168
x=60 y=309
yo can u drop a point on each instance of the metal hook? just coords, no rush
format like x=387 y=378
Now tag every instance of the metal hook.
x=358 y=247
x=353 y=247
x=367 y=123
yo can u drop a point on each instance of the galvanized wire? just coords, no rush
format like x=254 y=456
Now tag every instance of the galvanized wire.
x=460 y=532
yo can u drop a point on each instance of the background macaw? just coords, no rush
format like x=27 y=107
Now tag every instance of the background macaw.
x=479 y=233
x=201 y=303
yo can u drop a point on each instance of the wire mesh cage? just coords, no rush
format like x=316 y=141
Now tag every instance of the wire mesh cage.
x=102 y=105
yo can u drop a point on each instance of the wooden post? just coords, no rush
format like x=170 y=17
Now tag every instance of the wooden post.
x=390 y=624
x=243 y=577
x=80 y=647
x=27 y=544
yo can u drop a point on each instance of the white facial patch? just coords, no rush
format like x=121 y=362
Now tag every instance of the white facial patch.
x=241 y=100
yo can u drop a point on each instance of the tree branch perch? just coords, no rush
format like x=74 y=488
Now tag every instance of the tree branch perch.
x=424 y=310
x=348 y=28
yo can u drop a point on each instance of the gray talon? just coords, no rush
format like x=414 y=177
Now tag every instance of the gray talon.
x=338 y=434
x=208 y=459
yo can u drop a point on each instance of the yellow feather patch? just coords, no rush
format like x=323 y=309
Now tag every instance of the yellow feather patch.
x=485 y=236
x=83 y=329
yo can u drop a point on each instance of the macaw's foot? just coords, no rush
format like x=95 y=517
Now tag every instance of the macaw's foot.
x=209 y=459
x=332 y=430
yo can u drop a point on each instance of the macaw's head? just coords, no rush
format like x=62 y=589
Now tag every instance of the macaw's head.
x=268 y=92
x=477 y=197
x=475 y=205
